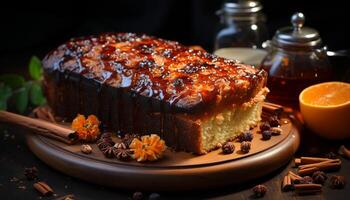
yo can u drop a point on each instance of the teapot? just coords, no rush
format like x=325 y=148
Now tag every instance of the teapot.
x=296 y=58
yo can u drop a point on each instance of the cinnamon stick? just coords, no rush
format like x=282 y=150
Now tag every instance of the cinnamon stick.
x=292 y=174
x=329 y=166
x=297 y=161
x=307 y=171
x=310 y=160
x=287 y=183
x=307 y=188
x=43 y=188
x=272 y=108
x=294 y=177
x=323 y=166
x=41 y=127
x=319 y=163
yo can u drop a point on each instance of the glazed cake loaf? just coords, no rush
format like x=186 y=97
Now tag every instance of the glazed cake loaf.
x=141 y=84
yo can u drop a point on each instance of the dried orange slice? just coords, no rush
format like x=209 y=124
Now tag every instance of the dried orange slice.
x=326 y=109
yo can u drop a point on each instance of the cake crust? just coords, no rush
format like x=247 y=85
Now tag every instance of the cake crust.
x=185 y=79
x=141 y=84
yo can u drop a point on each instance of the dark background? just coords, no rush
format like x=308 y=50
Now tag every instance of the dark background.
x=37 y=28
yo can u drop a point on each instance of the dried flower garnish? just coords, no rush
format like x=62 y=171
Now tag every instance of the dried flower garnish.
x=149 y=148
x=259 y=190
x=87 y=129
x=228 y=148
x=121 y=152
x=31 y=173
x=337 y=182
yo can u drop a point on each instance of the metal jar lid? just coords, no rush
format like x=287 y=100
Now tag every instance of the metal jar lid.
x=240 y=8
x=297 y=35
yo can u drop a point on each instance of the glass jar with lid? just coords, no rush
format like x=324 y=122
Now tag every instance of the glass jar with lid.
x=296 y=59
x=243 y=25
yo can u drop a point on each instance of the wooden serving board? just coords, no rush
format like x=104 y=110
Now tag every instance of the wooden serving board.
x=177 y=170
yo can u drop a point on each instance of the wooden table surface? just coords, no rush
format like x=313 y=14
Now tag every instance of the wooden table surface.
x=15 y=156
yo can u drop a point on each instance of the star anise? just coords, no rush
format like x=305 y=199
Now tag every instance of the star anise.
x=104 y=145
x=107 y=138
x=259 y=190
x=109 y=152
x=128 y=138
x=319 y=177
x=306 y=180
x=121 y=152
x=337 y=182
x=105 y=141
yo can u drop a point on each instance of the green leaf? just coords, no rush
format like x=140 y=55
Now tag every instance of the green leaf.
x=20 y=98
x=35 y=70
x=36 y=95
x=13 y=80
x=3 y=104
x=5 y=93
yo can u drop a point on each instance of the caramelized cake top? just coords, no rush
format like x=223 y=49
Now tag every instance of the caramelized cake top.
x=161 y=69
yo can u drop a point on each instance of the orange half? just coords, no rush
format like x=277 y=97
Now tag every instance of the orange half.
x=326 y=109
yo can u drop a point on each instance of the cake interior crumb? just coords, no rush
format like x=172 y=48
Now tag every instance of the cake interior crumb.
x=229 y=123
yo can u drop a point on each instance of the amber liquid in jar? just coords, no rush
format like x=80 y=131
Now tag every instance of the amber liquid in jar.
x=285 y=91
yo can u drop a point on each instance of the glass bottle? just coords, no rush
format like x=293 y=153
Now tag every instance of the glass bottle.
x=296 y=59
x=243 y=25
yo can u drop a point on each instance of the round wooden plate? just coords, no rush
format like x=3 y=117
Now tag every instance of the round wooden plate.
x=177 y=170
